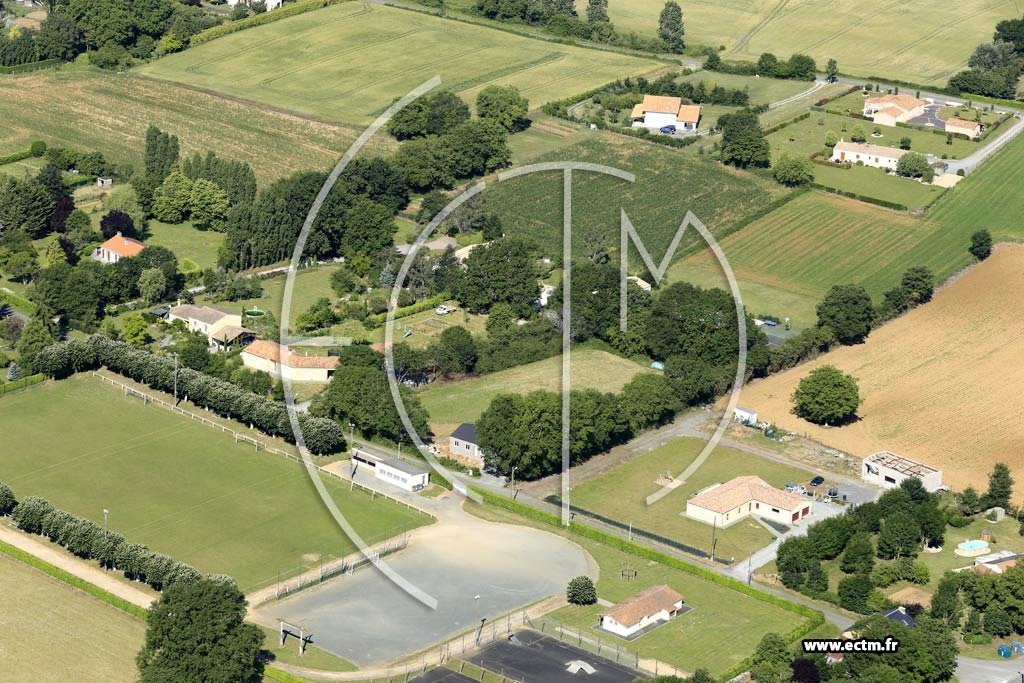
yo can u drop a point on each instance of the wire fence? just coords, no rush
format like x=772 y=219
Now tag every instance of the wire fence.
x=604 y=645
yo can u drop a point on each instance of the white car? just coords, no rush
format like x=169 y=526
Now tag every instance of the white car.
x=443 y=310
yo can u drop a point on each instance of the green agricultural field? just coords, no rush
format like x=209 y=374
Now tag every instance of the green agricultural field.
x=348 y=62
x=453 y=402
x=669 y=183
x=177 y=486
x=621 y=494
x=89 y=109
x=786 y=261
x=691 y=641
x=923 y=41
x=198 y=246
x=52 y=633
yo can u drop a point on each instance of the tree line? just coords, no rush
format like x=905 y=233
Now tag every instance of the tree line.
x=994 y=68
x=322 y=436
x=561 y=18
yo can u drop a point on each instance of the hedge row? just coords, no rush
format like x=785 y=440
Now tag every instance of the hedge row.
x=72 y=580
x=222 y=30
x=21 y=383
x=647 y=553
x=31 y=66
x=412 y=309
x=860 y=197
x=779 y=126
x=18 y=302
x=15 y=156
x=322 y=435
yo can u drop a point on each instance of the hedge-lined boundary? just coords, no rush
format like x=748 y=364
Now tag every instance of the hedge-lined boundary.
x=413 y=309
x=788 y=122
x=31 y=66
x=14 y=385
x=15 y=156
x=18 y=302
x=300 y=7
x=73 y=581
x=862 y=198
x=814 y=618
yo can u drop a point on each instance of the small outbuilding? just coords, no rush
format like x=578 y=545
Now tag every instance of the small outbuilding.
x=463 y=443
x=104 y=181
x=401 y=473
x=644 y=610
x=971 y=129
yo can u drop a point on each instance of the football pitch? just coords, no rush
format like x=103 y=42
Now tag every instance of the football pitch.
x=348 y=62
x=177 y=486
x=51 y=632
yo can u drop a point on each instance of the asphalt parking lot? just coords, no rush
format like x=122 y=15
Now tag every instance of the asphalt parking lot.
x=441 y=675
x=536 y=658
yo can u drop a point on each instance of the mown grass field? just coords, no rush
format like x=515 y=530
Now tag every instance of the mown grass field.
x=668 y=184
x=452 y=402
x=88 y=109
x=348 y=62
x=177 y=486
x=198 y=246
x=935 y=382
x=52 y=633
x=621 y=494
x=786 y=261
x=691 y=641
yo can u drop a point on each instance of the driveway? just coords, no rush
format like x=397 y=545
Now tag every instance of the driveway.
x=930 y=118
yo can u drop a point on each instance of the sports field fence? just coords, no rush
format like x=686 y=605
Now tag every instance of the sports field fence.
x=260 y=446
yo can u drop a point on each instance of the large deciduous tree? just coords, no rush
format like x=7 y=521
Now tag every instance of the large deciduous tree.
x=197 y=632
x=847 y=311
x=826 y=396
x=670 y=27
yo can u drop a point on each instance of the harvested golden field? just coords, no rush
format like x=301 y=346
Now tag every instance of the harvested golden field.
x=89 y=109
x=941 y=385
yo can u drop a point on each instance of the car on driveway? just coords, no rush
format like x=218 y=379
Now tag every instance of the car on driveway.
x=818 y=481
x=668 y=130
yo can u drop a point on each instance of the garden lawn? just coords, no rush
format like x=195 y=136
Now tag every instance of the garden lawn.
x=25 y=167
x=452 y=402
x=188 y=244
x=349 y=62
x=177 y=486
x=669 y=183
x=52 y=633
x=691 y=641
x=310 y=285
x=89 y=109
x=621 y=493
x=761 y=90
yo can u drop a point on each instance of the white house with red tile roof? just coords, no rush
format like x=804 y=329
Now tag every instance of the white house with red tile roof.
x=656 y=112
x=865 y=153
x=280 y=361
x=725 y=504
x=117 y=248
x=648 y=607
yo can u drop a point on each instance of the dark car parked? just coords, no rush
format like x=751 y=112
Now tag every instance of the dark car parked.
x=818 y=481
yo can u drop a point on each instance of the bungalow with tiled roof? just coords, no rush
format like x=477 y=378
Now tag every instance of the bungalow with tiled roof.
x=222 y=328
x=280 y=362
x=725 y=504
x=644 y=610
x=117 y=248
x=971 y=129
x=656 y=112
x=867 y=154
x=888 y=110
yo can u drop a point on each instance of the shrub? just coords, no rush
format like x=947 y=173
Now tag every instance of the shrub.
x=29 y=514
x=826 y=396
x=38 y=148
x=581 y=591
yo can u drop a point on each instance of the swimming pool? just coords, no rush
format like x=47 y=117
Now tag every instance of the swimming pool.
x=972 y=548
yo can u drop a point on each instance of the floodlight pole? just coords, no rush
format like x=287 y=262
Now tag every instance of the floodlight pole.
x=105 y=513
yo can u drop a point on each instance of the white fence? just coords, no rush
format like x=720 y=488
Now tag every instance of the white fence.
x=245 y=438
